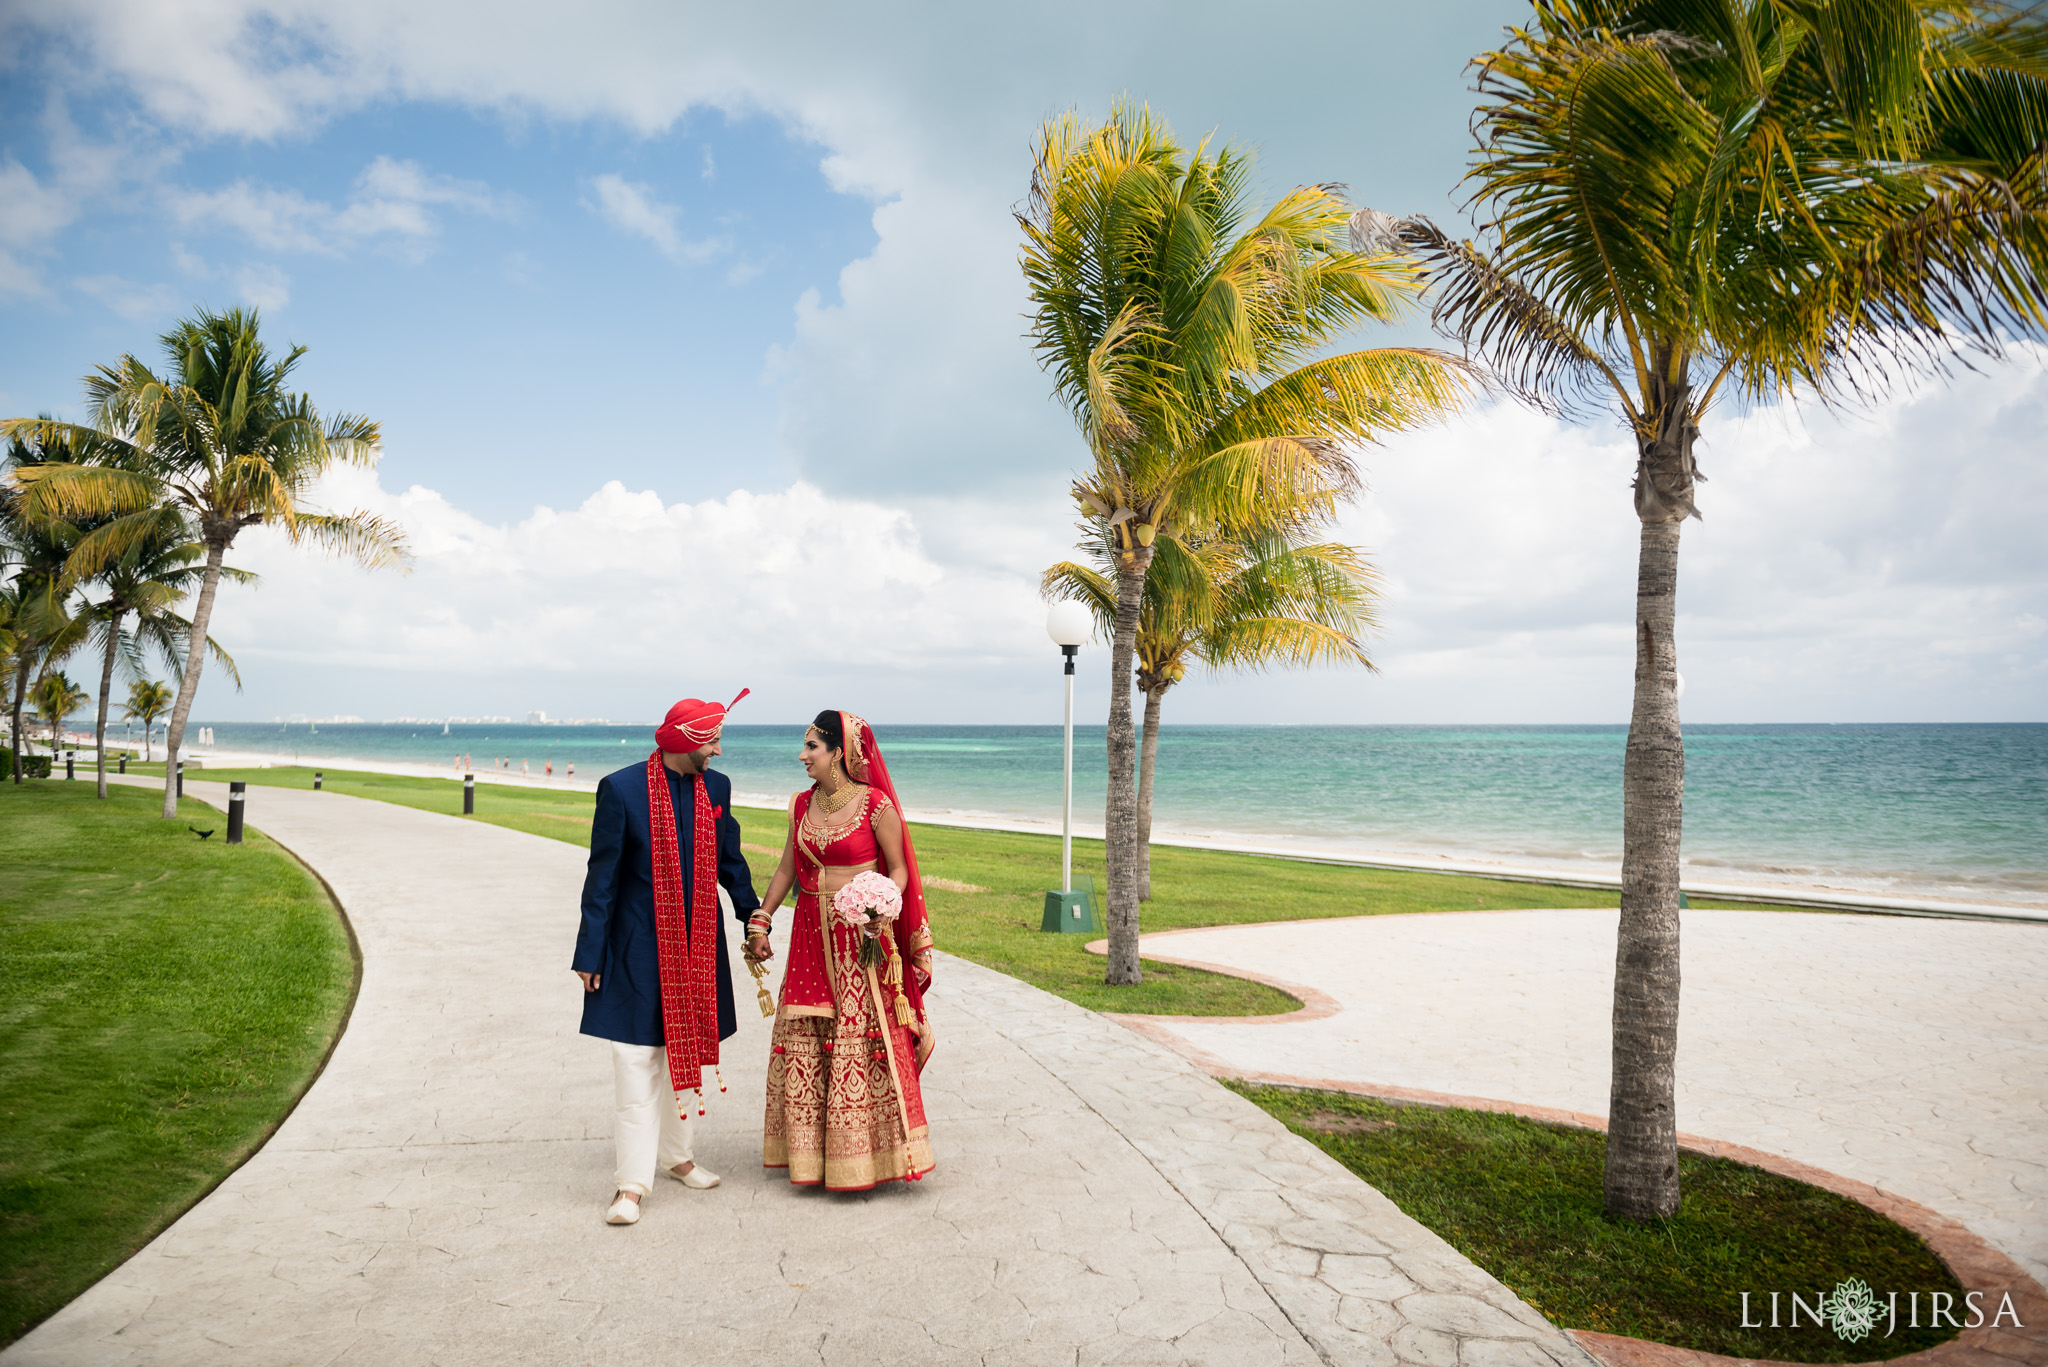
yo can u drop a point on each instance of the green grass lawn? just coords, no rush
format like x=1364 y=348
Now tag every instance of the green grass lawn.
x=1523 y=1200
x=998 y=926
x=163 y=1002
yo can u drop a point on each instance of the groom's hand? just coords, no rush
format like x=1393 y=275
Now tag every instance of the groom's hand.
x=591 y=981
x=759 y=950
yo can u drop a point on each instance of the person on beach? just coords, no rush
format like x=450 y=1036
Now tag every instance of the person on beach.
x=664 y=854
x=851 y=1036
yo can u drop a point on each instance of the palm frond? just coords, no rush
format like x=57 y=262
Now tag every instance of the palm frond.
x=1067 y=582
x=367 y=538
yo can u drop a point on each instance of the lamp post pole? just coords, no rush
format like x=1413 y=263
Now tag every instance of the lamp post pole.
x=1067 y=911
x=1067 y=808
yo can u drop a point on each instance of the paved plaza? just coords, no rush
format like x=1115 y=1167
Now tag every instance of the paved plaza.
x=1908 y=1053
x=437 y=1196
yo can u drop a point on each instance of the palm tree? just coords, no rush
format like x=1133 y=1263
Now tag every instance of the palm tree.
x=12 y=662
x=222 y=440
x=148 y=699
x=146 y=578
x=1270 y=599
x=1765 y=197
x=56 y=698
x=35 y=551
x=1185 y=337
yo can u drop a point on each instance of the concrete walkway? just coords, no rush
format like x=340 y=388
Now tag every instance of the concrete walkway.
x=1907 y=1053
x=437 y=1196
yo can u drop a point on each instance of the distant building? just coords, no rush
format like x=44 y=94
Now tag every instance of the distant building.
x=537 y=719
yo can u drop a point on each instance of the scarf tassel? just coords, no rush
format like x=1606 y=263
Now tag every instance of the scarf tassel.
x=893 y=975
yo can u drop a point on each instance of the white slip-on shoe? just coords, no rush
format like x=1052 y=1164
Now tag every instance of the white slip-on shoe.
x=624 y=1211
x=699 y=1177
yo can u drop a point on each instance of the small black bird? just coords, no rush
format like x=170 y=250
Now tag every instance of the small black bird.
x=196 y=831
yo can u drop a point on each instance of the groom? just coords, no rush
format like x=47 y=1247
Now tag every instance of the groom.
x=651 y=948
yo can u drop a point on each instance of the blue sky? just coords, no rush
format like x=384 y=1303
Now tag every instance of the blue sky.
x=466 y=280
x=694 y=334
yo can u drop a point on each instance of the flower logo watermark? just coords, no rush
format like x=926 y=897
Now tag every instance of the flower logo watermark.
x=1852 y=1309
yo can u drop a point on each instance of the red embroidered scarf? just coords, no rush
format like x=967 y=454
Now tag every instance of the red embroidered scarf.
x=686 y=948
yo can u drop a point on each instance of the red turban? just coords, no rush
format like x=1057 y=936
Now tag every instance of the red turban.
x=693 y=724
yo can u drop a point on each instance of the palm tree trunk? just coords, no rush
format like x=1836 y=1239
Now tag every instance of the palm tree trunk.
x=1148 y=758
x=195 y=659
x=14 y=736
x=99 y=729
x=1120 y=815
x=1642 y=1123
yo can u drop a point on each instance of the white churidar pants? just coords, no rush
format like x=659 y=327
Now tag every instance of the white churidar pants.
x=648 y=1126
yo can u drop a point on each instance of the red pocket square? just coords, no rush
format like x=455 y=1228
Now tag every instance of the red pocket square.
x=717 y=812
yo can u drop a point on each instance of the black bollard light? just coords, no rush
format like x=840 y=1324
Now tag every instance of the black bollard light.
x=124 y=763
x=238 y=793
x=69 y=756
x=181 y=778
x=316 y=780
x=469 y=794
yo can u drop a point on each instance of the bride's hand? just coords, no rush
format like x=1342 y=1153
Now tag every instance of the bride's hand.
x=759 y=950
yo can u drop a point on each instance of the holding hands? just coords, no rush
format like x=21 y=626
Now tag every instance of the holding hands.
x=758 y=926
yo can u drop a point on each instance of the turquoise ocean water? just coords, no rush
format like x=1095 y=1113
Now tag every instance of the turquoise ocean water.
x=1916 y=809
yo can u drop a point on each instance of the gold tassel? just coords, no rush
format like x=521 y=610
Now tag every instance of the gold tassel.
x=893 y=976
x=760 y=973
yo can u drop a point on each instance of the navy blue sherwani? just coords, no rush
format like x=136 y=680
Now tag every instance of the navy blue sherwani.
x=617 y=935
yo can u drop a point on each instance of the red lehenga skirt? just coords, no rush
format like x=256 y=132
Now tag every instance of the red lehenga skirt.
x=844 y=1107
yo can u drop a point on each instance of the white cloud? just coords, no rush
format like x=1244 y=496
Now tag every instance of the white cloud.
x=30 y=211
x=264 y=286
x=631 y=207
x=1882 y=567
x=784 y=585
x=82 y=173
x=1848 y=569
x=392 y=202
x=18 y=277
x=130 y=300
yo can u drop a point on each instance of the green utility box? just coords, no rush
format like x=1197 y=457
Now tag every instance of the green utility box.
x=1071 y=912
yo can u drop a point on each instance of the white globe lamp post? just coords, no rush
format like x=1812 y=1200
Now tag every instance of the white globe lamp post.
x=1069 y=625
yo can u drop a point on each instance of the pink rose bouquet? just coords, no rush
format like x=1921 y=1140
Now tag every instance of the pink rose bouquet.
x=867 y=903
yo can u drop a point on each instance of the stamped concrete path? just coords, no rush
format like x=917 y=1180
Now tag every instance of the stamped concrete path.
x=1908 y=1053
x=437 y=1196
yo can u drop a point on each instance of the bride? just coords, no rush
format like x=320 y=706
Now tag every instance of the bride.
x=844 y=1108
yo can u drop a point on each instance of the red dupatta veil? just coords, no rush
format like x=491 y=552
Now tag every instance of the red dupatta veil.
x=864 y=764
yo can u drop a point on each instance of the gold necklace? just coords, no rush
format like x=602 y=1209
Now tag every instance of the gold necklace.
x=829 y=803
